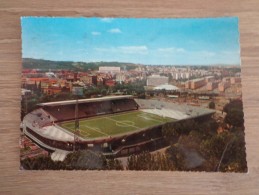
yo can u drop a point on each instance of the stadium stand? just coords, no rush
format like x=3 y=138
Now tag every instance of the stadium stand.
x=43 y=124
x=174 y=110
x=67 y=112
x=39 y=118
x=124 y=105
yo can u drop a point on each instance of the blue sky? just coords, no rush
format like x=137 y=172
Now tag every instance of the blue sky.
x=146 y=41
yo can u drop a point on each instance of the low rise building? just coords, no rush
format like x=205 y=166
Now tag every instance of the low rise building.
x=223 y=86
x=209 y=79
x=197 y=83
x=109 y=69
x=51 y=90
x=211 y=85
x=120 y=77
x=156 y=80
x=234 y=80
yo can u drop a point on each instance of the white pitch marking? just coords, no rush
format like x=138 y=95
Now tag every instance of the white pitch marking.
x=122 y=122
x=149 y=118
x=95 y=129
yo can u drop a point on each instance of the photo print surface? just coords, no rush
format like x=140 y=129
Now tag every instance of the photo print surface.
x=131 y=94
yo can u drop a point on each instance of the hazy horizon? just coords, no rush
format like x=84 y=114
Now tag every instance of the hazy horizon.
x=137 y=63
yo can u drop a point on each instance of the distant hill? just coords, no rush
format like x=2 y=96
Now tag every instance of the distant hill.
x=29 y=63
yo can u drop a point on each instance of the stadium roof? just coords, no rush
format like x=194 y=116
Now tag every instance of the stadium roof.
x=157 y=107
x=166 y=87
x=68 y=102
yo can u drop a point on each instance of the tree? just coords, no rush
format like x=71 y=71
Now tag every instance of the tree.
x=192 y=140
x=148 y=161
x=114 y=164
x=235 y=117
x=175 y=157
x=85 y=159
x=35 y=87
x=212 y=105
x=79 y=160
x=41 y=163
x=39 y=88
x=235 y=155
x=215 y=145
x=233 y=104
x=172 y=131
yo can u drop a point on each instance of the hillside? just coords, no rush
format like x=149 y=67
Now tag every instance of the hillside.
x=29 y=63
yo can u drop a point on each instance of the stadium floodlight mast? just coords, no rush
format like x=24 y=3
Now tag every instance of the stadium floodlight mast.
x=77 y=91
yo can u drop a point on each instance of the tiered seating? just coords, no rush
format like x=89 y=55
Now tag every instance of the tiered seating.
x=86 y=110
x=67 y=112
x=105 y=107
x=93 y=109
x=62 y=113
x=39 y=118
x=124 y=105
x=174 y=110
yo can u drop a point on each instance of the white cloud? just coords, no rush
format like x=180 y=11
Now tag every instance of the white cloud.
x=171 y=50
x=142 y=49
x=234 y=52
x=95 y=33
x=134 y=49
x=114 y=30
x=180 y=50
x=107 y=20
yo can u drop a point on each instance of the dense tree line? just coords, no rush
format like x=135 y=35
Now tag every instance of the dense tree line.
x=148 y=161
x=221 y=152
x=70 y=65
x=212 y=105
x=131 y=88
x=234 y=113
x=197 y=146
x=79 y=160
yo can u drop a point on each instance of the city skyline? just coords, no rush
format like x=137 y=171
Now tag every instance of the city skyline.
x=203 y=41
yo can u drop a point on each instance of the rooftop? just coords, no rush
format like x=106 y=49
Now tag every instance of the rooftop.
x=194 y=80
x=156 y=76
x=166 y=87
x=68 y=102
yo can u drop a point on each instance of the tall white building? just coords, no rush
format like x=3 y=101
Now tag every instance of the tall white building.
x=155 y=80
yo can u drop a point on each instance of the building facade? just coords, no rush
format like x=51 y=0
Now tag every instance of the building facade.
x=156 y=80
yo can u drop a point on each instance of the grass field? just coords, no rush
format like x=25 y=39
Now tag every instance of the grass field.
x=109 y=125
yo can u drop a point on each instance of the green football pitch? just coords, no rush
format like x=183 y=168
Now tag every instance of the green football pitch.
x=110 y=125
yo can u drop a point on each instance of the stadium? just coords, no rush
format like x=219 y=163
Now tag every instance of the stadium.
x=115 y=125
